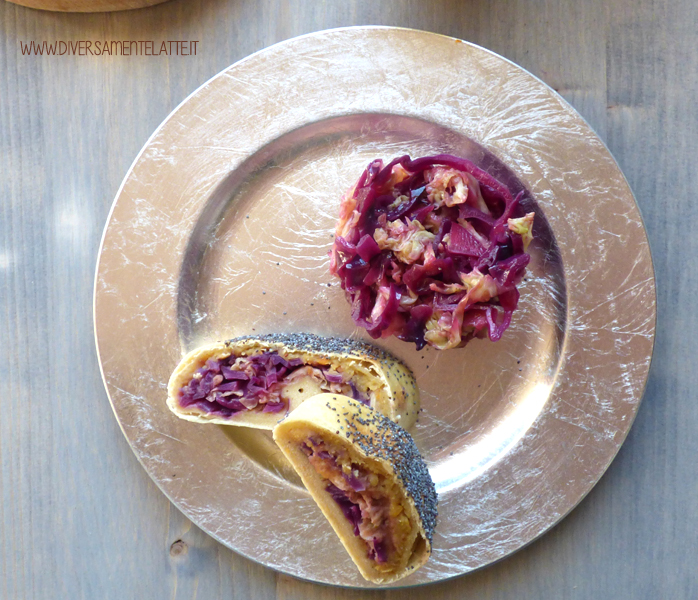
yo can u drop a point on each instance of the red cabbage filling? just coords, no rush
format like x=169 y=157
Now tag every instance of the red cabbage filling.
x=352 y=512
x=431 y=250
x=367 y=514
x=254 y=383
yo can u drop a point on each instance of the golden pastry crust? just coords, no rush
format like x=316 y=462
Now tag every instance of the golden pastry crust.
x=385 y=454
x=388 y=382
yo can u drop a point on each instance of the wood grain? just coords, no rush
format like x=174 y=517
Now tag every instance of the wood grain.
x=80 y=518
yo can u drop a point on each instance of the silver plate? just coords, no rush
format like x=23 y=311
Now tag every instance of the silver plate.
x=222 y=228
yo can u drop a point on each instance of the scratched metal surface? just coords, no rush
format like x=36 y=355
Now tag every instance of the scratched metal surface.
x=222 y=227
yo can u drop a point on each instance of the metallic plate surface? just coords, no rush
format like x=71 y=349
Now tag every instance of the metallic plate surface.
x=222 y=228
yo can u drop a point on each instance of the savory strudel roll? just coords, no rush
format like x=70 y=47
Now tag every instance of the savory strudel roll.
x=369 y=480
x=257 y=381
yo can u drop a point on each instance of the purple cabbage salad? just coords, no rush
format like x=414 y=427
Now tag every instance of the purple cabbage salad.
x=431 y=250
x=253 y=383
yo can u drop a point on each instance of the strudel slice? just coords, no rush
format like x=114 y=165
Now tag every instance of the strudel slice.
x=369 y=480
x=257 y=381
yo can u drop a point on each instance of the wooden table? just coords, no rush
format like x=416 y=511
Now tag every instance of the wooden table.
x=80 y=518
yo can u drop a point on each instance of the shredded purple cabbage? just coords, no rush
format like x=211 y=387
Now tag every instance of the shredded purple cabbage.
x=378 y=552
x=253 y=383
x=333 y=377
x=351 y=511
x=377 y=548
x=431 y=250
x=357 y=395
x=221 y=387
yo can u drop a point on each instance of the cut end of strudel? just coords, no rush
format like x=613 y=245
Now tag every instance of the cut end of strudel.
x=257 y=381
x=369 y=480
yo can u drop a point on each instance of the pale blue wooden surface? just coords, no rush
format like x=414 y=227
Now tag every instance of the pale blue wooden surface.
x=79 y=518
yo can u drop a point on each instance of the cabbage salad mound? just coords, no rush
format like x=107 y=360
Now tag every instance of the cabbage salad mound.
x=431 y=250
